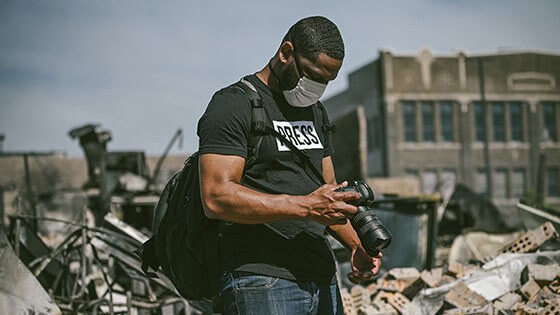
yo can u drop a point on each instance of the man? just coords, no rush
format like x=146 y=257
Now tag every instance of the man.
x=275 y=257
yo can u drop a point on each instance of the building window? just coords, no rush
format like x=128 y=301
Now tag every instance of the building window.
x=409 y=121
x=481 y=186
x=553 y=182
x=428 y=128
x=446 y=119
x=498 y=122
x=499 y=184
x=518 y=183
x=428 y=121
x=549 y=119
x=479 y=127
x=429 y=181
x=516 y=119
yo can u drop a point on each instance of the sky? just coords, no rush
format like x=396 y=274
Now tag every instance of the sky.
x=143 y=69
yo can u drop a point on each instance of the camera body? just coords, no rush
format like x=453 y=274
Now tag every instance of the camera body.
x=371 y=231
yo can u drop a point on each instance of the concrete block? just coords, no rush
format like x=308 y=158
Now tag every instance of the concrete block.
x=530 y=288
x=405 y=274
x=475 y=310
x=460 y=270
x=523 y=309
x=532 y=240
x=390 y=285
x=552 y=307
x=360 y=296
x=543 y=274
x=543 y=297
x=409 y=286
x=398 y=301
x=347 y=303
x=372 y=289
x=381 y=297
x=380 y=308
x=432 y=277
x=507 y=301
x=460 y=296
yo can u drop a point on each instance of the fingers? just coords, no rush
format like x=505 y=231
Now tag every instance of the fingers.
x=330 y=191
x=360 y=276
x=329 y=207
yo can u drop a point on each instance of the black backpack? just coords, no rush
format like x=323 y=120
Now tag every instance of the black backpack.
x=185 y=241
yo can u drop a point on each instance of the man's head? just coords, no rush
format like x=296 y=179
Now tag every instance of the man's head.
x=316 y=34
x=309 y=57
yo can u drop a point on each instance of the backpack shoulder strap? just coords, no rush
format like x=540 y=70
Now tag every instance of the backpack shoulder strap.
x=327 y=126
x=259 y=128
x=259 y=119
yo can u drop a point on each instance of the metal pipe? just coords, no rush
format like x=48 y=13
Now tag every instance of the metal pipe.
x=83 y=253
x=178 y=135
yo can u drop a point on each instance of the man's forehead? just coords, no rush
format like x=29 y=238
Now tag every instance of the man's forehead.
x=324 y=68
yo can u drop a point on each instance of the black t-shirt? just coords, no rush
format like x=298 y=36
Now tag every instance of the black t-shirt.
x=293 y=249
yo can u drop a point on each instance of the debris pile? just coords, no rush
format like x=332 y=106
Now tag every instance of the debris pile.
x=519 y=279
x=94 y=271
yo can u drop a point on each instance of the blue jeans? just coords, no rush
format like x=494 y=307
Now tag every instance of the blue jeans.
x=244 y=293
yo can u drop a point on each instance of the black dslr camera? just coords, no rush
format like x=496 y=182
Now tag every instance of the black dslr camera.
x=373 y=234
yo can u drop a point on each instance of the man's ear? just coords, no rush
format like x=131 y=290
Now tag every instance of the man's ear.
x=285 y=52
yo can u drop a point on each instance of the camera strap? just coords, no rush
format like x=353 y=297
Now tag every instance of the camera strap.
x=302 y=154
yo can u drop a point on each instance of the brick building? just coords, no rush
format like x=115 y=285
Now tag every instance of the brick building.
x=422 y=116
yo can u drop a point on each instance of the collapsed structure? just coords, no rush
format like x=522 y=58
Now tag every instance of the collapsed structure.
x=82 y=261
x=516 y=281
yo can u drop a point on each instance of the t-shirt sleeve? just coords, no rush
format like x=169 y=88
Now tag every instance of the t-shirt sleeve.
x=225 y=125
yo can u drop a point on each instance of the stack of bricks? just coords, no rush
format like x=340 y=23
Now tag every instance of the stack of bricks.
x=389 y=295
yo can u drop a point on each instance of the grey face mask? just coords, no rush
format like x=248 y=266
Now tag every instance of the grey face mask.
x=306 y=93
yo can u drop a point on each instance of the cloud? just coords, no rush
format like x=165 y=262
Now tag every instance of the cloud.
x=144 y=68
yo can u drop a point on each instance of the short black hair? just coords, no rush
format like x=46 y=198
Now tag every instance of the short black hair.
x=316 y=34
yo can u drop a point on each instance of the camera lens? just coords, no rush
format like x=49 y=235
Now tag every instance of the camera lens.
x=371 y=231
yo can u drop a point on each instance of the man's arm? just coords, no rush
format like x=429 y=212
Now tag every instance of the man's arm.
x=226 y=199
x=364 y=267
x=344 y=233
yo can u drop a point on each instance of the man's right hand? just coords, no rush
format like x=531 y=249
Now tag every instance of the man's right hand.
x=328 y=206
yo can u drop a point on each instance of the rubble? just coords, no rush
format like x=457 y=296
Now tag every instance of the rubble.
x=20 y=291
x=94 y=271
x=518 y=279
x=531 y=240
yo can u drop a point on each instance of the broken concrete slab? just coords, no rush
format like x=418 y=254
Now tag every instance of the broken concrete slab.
x=543 y=274
x=20 y=292
x=507 y=301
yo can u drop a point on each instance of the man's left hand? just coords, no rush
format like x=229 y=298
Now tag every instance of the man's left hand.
x=364 y=267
